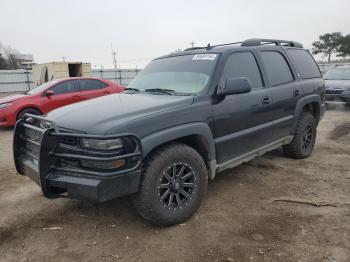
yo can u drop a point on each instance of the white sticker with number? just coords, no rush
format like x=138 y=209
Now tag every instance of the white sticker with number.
x=204 y=57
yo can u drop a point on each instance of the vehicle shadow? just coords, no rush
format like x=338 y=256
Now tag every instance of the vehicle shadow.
x=6 y=128
x=120 y=213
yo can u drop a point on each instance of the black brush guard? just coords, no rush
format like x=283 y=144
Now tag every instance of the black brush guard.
x=41 y=152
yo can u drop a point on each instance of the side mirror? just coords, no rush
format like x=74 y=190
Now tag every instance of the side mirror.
x=49 y=93
x=237 y=85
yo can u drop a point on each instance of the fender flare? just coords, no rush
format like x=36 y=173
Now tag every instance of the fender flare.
x=169 y=134
x=300 y=105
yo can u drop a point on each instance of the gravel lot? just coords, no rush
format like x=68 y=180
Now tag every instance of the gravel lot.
x=239 y=221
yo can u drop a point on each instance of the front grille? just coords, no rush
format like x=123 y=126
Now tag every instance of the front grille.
x=71 y=141
x=334 y=91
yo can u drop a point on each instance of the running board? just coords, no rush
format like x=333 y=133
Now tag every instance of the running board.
x=253 y=154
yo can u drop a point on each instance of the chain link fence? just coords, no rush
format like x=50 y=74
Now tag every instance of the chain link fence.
x=119 y=76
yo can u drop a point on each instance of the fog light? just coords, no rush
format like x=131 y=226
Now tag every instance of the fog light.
x=119 y=163
x=103 y=165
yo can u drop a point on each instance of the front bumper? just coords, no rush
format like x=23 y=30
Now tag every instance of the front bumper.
x=342 y=97
x=40 y=153
x=6 y=119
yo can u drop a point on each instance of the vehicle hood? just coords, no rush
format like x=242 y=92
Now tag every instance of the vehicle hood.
x=8 y=99
x=337 y=83
x=97 y=116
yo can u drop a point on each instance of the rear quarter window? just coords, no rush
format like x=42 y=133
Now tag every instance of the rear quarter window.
x=306 y=66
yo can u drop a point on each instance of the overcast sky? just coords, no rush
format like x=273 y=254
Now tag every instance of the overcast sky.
x=83 y=30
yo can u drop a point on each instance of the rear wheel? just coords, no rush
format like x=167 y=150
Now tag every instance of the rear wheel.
x=28 y=110
x=173 y=186
x=304 y=138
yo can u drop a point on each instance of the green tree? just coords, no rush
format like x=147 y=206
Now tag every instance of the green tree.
x=344 y=48
x=3 y=63
x=328 y=44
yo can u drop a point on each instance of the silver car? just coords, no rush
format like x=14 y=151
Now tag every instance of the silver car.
x=337 y=82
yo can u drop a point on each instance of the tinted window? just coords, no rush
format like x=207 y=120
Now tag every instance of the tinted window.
x=304 y=63
x=243 y=65
x=65 y=87
x=276 y=67
x=92 y=84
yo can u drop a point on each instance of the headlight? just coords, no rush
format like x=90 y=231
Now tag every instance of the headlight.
x=101 y=144
x=5 y=105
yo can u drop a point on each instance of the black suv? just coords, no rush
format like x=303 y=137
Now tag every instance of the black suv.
x=185 y=118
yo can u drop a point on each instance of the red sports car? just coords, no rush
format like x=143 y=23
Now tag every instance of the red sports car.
x=52 y=95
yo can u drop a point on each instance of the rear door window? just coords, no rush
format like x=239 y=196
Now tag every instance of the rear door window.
x=305 y=64
x=65 y=87
x=243 y=65
x=276 y=67
x=91 y=84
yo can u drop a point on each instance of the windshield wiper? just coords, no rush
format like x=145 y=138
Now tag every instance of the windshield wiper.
x=161 y=90
x=132 y=89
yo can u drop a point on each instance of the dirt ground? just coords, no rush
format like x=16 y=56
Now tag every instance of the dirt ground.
x=240 y=220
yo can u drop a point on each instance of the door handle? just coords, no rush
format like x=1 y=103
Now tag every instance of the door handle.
x=106 y=92
x=296 y=92
x=75 y=96
x=266 y=100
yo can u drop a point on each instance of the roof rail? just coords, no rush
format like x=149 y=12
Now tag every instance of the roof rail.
x=208 y=47
x=251 y=42
x=195 y=48
x=258 y=42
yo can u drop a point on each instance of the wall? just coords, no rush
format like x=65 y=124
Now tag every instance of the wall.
x=22 y=80
x=15 y=81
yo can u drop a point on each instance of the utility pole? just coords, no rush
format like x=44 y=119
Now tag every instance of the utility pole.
x=192 y=44
x=101 y=71
x=114 y=62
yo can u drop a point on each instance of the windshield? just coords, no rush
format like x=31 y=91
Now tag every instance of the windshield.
x=41 y=88
x=338 y=74
x=186 y=74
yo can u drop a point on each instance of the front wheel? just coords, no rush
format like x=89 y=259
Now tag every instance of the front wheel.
x=28 y=110
x=304 y=138
x=174 y=184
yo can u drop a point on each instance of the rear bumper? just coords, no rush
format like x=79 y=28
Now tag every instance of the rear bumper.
x=38 y=160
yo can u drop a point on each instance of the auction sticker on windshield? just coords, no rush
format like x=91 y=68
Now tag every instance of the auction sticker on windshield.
x=204 y=57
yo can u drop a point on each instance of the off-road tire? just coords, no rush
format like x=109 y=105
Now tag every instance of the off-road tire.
x=148 y=201
x=29 y=110
x=296 y=149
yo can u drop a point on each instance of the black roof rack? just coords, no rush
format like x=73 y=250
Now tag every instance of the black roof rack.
x=208 y=47
x=252 y=42
x=195 y=48
x=258 y=42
